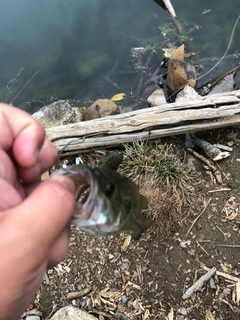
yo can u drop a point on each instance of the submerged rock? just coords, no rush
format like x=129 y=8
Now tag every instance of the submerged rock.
x=101 y=108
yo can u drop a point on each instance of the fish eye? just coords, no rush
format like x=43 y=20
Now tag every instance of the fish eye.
x=109 y=189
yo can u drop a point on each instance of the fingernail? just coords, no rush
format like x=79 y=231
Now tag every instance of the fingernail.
x=66 y=182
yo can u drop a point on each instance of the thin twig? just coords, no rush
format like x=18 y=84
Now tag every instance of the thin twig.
x=196 y=219
x=202 y=248
x=214 y=169
x=218 y=190
x=228 y=245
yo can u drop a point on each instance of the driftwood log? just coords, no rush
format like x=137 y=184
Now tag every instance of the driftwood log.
x=210 y=112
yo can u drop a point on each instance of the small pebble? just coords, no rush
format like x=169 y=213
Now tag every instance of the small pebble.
x=124 y=299
x=212 y=284
x=33 y=317
x=136 y=304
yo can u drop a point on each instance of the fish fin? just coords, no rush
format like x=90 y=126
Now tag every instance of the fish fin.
x=144 y=202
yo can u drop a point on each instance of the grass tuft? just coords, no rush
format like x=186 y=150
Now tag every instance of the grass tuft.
x=160 y=166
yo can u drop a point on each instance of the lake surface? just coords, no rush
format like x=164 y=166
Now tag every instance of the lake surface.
x=82 y=49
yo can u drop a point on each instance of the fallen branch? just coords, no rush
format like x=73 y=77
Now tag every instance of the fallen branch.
x=199 y=283
x=211 y=112
x=210 y=150
x=214 y=169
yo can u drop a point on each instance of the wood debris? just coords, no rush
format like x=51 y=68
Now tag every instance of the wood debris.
x=126 y=243
x=195 y=220
x=210 y=150
x=199 y=283
x=213 y=168
x=105 y=293
x=209 y=315
x=78 y=294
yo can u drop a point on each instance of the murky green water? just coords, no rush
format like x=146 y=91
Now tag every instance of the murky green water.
x=81 y=49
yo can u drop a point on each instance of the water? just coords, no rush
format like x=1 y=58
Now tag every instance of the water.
x=81 y=49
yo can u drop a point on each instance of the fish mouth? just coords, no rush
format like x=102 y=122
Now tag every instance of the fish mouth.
x=86 y=190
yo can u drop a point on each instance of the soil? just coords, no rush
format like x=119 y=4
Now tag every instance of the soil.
x=119 y=278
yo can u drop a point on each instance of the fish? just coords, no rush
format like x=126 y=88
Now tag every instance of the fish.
x=112 y=160
x=107 y=202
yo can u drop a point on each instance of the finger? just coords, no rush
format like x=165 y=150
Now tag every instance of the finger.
x=46 y=159
x=21 y=130
x=8 y=174
x=10 y=197
x=39 y=220
x=7 y=170
x=59 y=249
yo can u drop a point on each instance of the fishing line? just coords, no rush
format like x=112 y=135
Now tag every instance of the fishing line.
x=200 y=77
x=64 y=148
x=229 y=45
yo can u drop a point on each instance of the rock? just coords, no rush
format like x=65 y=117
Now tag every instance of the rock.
x=32 y=317
x=71 y=313
x=80 y=112
x=187 y=94
x=101 y=108
x=57 y=114
x=136 y=305
x=124 y=299
x=212 y=284
x=157 y=98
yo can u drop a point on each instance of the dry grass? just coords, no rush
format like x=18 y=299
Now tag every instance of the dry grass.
x=162 y=176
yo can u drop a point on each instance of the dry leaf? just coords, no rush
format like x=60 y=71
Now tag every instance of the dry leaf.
x=126 y=243
x=179 y=54
x=109 y=294
x=232 y=216
x=176 y=77
x=226 y=267
x=179 y=72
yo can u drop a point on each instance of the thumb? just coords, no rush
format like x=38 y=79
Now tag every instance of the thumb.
x=39 y=220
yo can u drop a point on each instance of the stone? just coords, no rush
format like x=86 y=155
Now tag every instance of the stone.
x=33 y=317
x=101 y=108
x=187 y=94
x=80 y=112
x=157 y=98
x=71 y=313
x=56 y=114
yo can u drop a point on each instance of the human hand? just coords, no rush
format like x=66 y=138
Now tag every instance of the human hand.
x=33 y=215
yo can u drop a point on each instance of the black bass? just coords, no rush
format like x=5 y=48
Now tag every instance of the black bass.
x=107 y=202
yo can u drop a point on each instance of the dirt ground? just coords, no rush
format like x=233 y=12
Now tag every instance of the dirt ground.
x=119 y=278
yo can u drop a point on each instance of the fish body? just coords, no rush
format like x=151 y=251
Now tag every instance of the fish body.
x=112 y=160
x=107 y=202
